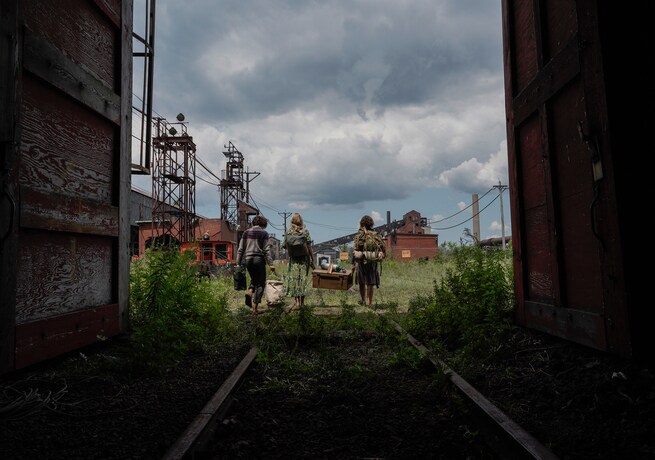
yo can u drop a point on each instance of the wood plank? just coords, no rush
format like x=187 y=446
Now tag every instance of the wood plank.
x=513 y=165
x=47 y=338
x=560 y=18
x=523 y=44
x=56 y=212
x=9 y=81
x=559 y=71
x=79 y=30
x=47 y=62
x=62 y=273
x=583 y=327
x=111 y=9
x=65 y=148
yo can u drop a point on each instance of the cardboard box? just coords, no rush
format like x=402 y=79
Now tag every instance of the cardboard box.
x=322 y=279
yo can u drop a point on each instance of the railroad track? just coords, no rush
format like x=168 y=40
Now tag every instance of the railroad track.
x=503 y=436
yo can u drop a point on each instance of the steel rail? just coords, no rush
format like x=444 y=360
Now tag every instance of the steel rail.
x=506 y=437
x=203 y=426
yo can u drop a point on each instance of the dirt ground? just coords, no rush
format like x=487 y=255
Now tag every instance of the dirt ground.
x=349 y=400
x=580 y=403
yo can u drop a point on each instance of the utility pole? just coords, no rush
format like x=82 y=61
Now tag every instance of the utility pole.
x=285 y=215
x=501 y=188
x=476 y=219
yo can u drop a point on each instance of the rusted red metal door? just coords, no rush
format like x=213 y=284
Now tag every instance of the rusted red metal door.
x=565 y=228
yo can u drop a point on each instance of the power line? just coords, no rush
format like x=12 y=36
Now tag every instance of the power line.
x=207 y=169
x=330 y=227
x=206 y=181
x=460 y=211
x=470 y=218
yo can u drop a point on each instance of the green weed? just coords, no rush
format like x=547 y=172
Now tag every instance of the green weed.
x=172 y=311
x=458 y=304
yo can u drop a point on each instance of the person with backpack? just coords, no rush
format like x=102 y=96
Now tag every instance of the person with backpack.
x=368 y=252
x=298 y=244
x=255 y=252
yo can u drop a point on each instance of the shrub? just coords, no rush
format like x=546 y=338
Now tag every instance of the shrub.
x=173 y=311
x=469 y=309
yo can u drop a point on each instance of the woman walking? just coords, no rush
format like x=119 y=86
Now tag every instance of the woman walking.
x=368 y=272
x=298 y=244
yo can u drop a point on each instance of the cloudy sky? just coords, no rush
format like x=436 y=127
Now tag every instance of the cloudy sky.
x=343 y=107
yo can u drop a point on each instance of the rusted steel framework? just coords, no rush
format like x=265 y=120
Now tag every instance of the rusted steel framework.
x=173 y=182
x=232 y=184
x=235 y=182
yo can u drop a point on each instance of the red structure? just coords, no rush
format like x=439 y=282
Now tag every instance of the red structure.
x=408 y=240
x=574 y=145
x=408 y=246
x=213 y=239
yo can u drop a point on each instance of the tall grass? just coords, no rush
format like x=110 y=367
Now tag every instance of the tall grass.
x=400 y=282
x=174 y=312
x=468 y=315
x=459 y=302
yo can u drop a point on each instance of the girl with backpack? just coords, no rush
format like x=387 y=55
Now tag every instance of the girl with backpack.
x=298 y=244
x=368 y=272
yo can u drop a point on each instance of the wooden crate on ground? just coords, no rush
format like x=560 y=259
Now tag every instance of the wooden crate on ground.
x=323 y=279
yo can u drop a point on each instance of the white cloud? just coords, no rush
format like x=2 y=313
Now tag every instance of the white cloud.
x=378 y=218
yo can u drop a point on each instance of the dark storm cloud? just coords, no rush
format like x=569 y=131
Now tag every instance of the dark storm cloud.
x=339 y=102
x=414 y=56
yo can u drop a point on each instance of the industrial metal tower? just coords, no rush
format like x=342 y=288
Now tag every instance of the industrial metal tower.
x=234 y=185
x=173 y=181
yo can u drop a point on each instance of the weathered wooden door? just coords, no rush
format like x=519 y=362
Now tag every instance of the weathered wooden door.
x=568 y=242
x=65 y=130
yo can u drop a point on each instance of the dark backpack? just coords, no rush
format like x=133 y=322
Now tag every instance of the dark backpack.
x=297 y=245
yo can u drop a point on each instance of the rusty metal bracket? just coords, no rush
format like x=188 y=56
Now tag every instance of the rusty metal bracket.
x=592 y=145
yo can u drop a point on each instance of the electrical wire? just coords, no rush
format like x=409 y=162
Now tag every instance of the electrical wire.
x=206 y=181
x=461 y=210
x=207 y=169
x=330 y=227
x=469 y=219
x=275 y=226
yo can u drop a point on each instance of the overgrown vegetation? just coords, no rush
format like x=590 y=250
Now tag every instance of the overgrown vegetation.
x=174 y=312
x=467 y=316
x=458 y=304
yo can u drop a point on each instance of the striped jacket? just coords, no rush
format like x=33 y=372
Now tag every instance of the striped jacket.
x=254 y=243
